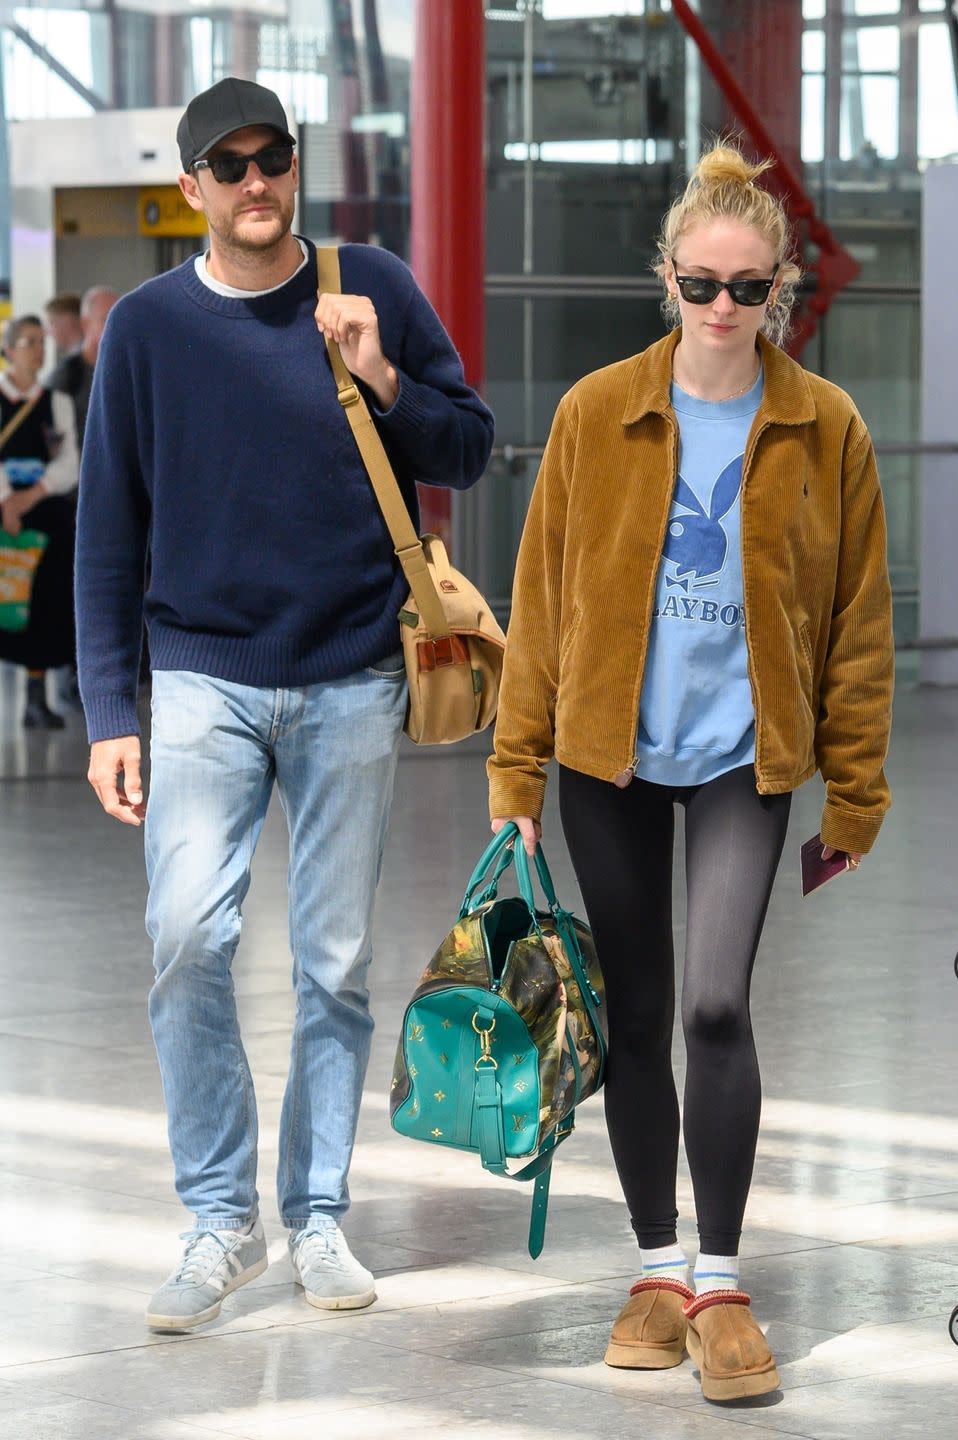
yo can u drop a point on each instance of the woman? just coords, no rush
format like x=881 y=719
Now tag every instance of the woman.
x=39 y=468
x=701 y=615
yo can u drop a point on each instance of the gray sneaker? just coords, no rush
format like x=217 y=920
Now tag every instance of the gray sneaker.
x=331 y=1276
x=214 y=1264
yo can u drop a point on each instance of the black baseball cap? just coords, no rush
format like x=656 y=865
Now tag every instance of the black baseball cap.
x=229 y=105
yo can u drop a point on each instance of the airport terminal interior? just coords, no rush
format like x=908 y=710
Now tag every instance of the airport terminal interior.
x=591 y=114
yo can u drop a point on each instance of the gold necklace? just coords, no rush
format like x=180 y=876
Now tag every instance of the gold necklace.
x=722 y=398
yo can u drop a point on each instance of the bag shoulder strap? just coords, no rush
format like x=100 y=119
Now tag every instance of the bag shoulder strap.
x=15 y=421
x=407 y=543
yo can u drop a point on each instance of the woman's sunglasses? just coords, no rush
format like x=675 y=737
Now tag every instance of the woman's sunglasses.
x=698 y=290
x=229 y=168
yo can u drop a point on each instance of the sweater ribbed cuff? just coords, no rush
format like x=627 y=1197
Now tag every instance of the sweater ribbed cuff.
x=108 y=717
x=407 y=411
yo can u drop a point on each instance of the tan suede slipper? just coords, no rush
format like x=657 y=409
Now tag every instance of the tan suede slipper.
x=650 y=1332
x=728 y=1347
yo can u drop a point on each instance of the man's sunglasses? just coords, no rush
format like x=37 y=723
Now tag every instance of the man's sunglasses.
x=229 y=168
x=698 y=290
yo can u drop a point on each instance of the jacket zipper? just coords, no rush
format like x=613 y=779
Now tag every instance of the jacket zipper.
x=757 y=699
x=651 y=597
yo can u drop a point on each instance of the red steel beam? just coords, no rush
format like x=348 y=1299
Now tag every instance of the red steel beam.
x=449 y=188
x=833 y=266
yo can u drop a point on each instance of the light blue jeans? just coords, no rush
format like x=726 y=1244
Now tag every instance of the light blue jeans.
x=216 y=750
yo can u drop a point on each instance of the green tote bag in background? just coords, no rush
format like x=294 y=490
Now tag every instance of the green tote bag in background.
x=19 y=557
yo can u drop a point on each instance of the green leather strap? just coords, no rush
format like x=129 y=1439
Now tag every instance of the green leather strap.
x=491 y=889
x=492 y=1139
x=497 y=845
x=541 y=1168
x=492 y=1151
x=540 y=1211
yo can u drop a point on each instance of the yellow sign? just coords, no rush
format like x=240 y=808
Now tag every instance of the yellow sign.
x=164 y=211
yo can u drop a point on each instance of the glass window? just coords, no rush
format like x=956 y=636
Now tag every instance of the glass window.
x=32 y=91
x=877 y=48
x=813 y=52
x=931 y=4
x=869 y=122
x=813 y=118
x=937 y=104
x=872 y=7
x=590 y=9
x=304 y=94
x=813 y=9
x=201 y=53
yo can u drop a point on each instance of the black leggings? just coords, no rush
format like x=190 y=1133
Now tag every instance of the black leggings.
x=620 y=842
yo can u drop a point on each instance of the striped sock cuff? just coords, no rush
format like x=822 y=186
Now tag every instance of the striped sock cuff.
x=667 y=1261
x=716 y=1272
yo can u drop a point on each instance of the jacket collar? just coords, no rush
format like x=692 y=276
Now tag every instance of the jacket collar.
x=787 y=398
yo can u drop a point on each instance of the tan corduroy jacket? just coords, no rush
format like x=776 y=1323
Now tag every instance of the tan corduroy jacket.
x=817 y=595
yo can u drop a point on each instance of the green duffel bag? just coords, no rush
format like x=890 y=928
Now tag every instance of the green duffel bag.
x=506 y=1032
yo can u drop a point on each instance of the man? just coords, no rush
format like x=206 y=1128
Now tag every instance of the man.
x=215 y=433
x=63 y=322
x=74 y=374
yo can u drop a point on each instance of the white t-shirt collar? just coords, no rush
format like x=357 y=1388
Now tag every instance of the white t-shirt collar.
x=231 y=291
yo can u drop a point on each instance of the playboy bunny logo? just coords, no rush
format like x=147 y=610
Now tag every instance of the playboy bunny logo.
x=696 y=543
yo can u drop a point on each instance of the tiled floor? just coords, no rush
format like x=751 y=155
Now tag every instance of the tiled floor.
x=851 y=1249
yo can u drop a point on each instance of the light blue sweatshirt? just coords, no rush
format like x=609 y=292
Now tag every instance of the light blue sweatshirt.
x=696 y=718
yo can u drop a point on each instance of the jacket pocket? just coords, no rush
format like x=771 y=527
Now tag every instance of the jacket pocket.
x=569 y=637
x=806 y=673
x=805 y=642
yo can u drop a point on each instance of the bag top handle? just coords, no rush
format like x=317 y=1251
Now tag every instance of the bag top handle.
x=502 y=846
x=407 y=543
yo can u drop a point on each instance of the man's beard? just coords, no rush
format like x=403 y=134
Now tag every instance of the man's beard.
x=262 y=238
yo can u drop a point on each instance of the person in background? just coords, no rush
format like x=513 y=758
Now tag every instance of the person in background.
x=63 y=322
x=73 y=376
x=39 y=466
x=701 y=617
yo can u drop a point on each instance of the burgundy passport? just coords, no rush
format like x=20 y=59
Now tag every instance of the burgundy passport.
x=815 y=870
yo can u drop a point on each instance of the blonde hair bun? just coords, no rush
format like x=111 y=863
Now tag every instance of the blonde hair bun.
x=722 y=187
x=724 y=165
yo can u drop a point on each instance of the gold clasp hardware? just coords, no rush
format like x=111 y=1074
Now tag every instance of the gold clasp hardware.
x=485 y=1039
x=349 y=395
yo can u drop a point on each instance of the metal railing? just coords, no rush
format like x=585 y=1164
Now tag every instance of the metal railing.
x=512 y=454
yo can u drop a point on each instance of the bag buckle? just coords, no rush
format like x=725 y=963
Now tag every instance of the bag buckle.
x=348 y=396
x=485 y=1040
x=446 y=650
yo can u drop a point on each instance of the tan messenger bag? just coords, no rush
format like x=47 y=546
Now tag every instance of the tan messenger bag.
x=451 y=640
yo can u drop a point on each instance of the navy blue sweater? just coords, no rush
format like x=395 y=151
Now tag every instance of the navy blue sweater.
x=219 y=463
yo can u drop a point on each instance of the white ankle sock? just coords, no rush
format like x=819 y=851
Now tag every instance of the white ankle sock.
x=716 y=1272
x=668 y=1262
